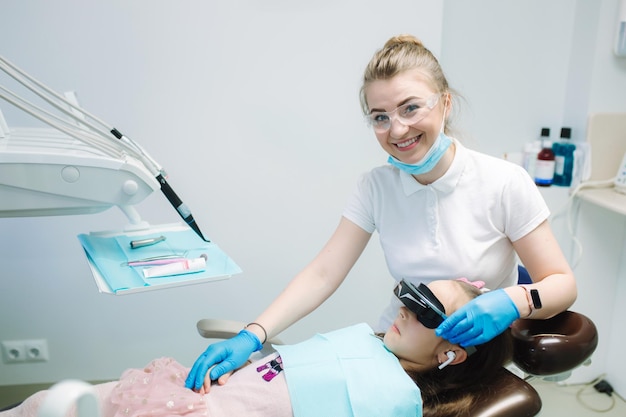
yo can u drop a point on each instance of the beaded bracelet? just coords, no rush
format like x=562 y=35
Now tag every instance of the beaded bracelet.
x=262 y=328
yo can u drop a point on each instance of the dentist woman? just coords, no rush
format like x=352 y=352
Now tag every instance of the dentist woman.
x=442 y=211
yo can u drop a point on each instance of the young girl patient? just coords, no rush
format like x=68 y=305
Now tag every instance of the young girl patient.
x=408 y=371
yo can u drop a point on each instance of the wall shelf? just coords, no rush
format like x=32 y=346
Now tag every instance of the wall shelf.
x=606 y=135
x=605 y=197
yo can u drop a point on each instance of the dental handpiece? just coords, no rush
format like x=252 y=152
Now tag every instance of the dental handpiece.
x=135 y=244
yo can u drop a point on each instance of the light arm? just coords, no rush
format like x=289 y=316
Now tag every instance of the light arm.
x=551 y=274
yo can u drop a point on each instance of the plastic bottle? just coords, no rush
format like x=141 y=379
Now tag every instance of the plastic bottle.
x=544 y=166
x=530 y=151
x=564 y=159
x=558 y=163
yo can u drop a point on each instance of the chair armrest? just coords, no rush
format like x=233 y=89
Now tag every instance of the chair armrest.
x=225 y=329
x=219 y=329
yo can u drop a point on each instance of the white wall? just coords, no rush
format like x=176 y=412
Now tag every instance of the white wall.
x=608 y=78
x=252 y=108
x=253 y=111
x=515 y=63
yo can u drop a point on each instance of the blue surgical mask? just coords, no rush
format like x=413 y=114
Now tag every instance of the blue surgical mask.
x=428 y=162
x=432 y=157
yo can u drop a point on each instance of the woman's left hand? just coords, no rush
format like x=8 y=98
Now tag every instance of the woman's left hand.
x=480 y=320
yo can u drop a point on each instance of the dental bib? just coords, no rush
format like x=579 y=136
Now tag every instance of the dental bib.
x=348 y=372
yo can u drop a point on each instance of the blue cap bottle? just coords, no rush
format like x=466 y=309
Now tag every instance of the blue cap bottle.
x=564 y=159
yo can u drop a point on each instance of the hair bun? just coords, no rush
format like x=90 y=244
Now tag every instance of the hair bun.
x=403 y=40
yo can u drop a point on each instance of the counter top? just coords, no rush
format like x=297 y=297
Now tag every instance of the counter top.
x=605 y=197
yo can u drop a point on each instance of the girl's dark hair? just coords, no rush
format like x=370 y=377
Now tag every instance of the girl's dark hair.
x=452 y=390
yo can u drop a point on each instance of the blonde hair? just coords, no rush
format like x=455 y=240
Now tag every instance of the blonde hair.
x=399 y=54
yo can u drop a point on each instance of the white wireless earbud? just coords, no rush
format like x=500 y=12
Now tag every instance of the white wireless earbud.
x=451 y=356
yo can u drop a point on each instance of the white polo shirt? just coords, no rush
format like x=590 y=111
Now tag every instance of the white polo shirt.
x=462 y=225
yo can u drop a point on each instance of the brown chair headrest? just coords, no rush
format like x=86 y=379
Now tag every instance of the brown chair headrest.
x=555 y=345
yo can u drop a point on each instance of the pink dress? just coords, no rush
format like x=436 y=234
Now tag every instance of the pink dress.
x=158 y=390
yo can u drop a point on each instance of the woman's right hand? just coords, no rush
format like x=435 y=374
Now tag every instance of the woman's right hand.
x=223 y=357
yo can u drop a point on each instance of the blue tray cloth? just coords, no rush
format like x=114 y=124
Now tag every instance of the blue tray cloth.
x=110 y=255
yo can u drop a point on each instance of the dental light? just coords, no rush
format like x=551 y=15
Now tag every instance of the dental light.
x=81 y=165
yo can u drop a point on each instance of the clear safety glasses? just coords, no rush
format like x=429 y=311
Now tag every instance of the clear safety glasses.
x=408 y=114
x=422 y=302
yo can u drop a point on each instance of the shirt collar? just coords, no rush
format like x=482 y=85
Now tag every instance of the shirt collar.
x=446 y=183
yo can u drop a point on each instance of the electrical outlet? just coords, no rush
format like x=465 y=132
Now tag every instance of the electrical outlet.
x=21 y=351
x=13 y=352
x=36 y=350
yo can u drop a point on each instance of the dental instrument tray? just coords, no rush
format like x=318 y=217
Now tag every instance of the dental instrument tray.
x=119 y=269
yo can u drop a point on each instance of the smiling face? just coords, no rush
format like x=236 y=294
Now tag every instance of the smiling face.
x=407 y=143
x=417 y=345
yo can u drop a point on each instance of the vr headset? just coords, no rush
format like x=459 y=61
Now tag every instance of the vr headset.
x=421 y=301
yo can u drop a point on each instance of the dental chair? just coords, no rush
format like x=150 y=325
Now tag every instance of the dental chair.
x=542 y=348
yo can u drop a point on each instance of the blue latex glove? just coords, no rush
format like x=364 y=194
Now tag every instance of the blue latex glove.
x=480 y=320
x=227 y=356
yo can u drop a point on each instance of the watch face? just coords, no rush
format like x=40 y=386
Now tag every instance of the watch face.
x=534 y=295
